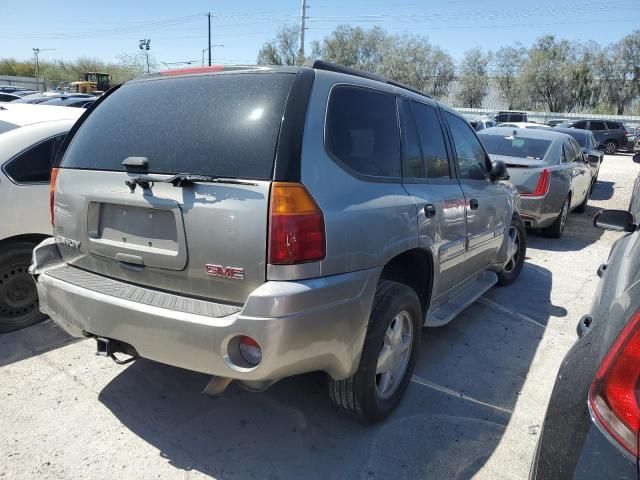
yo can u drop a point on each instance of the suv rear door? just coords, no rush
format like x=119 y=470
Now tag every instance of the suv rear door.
x=202 y=239
x=599 y=129
x=428 y=176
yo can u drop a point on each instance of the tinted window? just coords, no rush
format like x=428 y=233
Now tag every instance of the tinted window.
x=471 y=155
x=223 y=125
x=597 y=126
x=515 y=146
x=580 y=137
x=6 y=97
x=502 y=117
x=434 y=150
x=569 y=153
x=613 y=126
x=411 y=151
x=362 y=131
x=6 y=126
x=581 y=124
x=516 y=117
x=34 y=164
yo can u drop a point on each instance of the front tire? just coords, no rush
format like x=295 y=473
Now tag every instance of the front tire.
x=18 y=292
x=512 y=269
x=388 y=355
x=556 y=229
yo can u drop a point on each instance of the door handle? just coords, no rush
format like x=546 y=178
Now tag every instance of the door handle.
x=473 y=204
x=429 y=210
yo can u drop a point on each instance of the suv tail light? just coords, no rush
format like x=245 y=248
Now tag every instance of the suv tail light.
x=614 y=397
x=296 y=226
x=542 y=188
x=52 y=192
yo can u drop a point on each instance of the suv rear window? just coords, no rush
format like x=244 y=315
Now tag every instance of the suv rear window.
x=362 y=131
x=225 y=125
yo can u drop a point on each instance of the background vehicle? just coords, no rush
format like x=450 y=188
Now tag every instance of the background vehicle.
x=523 y=125
x=93 y=82
x=480 y=123
x=63 y=101
x=8 y=97
x=44 y=97
x=609 y=134
x=589 y=147
x=318 y=259
x=12 y=89
x=510 y=116
x=29 y=138
x=555 y=122
x=548 y=169
x=592 y=424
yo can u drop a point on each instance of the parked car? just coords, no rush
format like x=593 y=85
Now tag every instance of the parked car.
x=555 y=122
x=511 y=116
x=12 y=89
x=24 y=93
x=480 y=122
x=592 y=424
x=77 y=102
x=47 y=96
x=589 y=147
x=306 y=249
x=29 y=138
x=548 y=169
x=8 y=97
x=523 y=125
x=611 y=135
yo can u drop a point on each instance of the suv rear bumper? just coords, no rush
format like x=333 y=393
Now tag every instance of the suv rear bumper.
x=301 y=326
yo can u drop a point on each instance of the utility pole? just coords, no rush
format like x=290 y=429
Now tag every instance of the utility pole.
x=36 y=54
x=145 y=44
x=209 y=16
x=303 y=16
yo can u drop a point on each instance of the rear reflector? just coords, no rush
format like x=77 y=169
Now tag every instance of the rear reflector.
x=296 y=226
x=614 y=397
x=52 y=192
x=542 y=188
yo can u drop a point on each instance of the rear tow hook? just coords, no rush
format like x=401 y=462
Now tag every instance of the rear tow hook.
x=109 y=348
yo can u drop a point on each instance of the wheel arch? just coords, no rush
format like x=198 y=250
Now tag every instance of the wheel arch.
x=409 y=268
x=34 y=238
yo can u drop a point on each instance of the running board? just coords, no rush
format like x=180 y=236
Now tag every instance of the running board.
x=446 y=312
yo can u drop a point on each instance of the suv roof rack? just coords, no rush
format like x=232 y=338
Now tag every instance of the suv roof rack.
x=334 y=67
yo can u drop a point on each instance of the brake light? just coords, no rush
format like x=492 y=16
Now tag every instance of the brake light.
x=542 y=188
x=296 y=226
x=614 y=396
x=52 y=192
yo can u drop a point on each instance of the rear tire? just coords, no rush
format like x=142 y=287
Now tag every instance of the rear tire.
x=556 y=229
x=610 y=147
x=512 y=270
x=18 y=292
x=388 y=355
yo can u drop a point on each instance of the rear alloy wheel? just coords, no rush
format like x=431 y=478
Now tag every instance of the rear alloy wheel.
x=556 y=229
x=18 y=292
x=388 y=355
x=517 y=251
x=610 y=147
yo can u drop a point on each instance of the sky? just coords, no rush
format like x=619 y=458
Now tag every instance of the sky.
x=178 y=29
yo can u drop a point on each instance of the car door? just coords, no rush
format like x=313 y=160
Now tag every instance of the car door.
x=428 y=177
x=485 y=201
x=599 y=129
x=580 y=171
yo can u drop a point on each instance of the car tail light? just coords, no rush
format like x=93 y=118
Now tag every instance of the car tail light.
x=614 y=397
x=52 y=192
x=542 y=188
x=296 y=226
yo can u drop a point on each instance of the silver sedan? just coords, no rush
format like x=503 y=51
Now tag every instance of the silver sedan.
x=549 y=170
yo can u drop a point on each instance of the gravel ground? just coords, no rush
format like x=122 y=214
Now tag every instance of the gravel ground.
x=474 y=408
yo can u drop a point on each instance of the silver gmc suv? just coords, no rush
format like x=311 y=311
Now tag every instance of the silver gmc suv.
x=259 y=223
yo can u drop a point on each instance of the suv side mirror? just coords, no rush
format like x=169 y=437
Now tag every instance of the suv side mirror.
x=636 y=158
x=617 y=220
x=593 y=160
x=499 y=171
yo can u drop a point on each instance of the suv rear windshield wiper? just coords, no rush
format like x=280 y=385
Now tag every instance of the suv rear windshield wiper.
x=180 y=180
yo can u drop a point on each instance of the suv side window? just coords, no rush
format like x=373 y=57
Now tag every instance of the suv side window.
x=582 y=125
x=34 y=164
x=471 y=155
x=597 y=125
x=411 y=151
x=613 y=126
x=434 y=150
x=362 y=131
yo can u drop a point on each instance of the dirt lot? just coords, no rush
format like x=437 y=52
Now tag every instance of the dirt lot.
x=474 y=408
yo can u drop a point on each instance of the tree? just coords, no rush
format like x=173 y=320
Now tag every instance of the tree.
x=473 y=78
x=508 y=62
x=353 y=47
x=619 y=72
x=283 y=50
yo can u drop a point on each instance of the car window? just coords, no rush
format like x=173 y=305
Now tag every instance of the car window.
x=613 y=126
x=516 y=117
x=434 y=150
x=597 y=125
x=581 y=124
x=413 y=163
x=362 y=131
x=515 y=146
x=34 y=164
x=224 y=125
x=577 y=151
x=471 y=155
x=568 y=153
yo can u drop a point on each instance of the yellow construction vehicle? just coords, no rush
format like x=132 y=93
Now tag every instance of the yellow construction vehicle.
x=93 y=82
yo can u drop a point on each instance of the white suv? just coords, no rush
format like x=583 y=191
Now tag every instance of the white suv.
x=29 y=137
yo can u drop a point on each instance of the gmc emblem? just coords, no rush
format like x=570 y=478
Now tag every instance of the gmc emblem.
x=234 y=273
